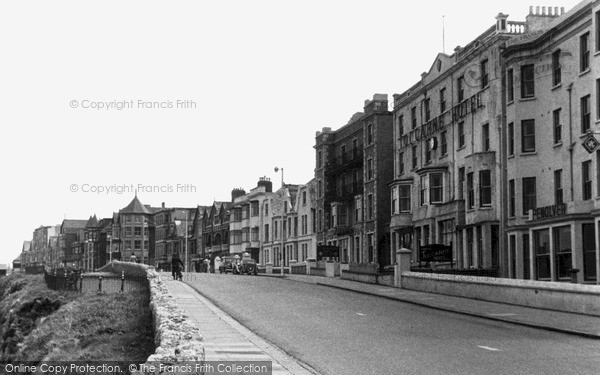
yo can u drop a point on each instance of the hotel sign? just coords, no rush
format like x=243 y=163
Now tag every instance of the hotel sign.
x=548 y=211
x=591 y=144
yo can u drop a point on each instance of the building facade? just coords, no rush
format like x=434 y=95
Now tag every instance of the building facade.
x=215 y=230
x=173 y=227
x=552 y=101
x=133 y=232
x=353 y=169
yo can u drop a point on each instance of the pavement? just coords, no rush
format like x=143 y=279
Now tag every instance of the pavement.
x=227 y=340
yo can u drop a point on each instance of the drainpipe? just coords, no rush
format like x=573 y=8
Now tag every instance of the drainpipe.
x=571 y=145
x=503 y=253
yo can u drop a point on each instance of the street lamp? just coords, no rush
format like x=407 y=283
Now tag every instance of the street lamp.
x=282 y=220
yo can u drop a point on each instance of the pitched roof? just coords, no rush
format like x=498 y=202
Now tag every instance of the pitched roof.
x=92 y=222
x=73 y=224
x=135 y=207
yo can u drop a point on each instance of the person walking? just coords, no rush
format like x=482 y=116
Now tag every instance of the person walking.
x=176 y=266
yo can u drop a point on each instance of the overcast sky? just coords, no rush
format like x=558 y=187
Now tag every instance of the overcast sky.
x=264 y=77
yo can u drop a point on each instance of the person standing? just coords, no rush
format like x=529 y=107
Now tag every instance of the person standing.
x=176 y=267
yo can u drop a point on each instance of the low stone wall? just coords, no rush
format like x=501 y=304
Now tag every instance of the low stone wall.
x=368 y=277
x=577 y=298
x=317 y=271
x=175 y=337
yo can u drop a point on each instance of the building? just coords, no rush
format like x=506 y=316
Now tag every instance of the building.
x=353 y=169
x=38 y=254
x=215 y=229
x=552 y=118
x=16 y=263
x=70 y=243
x=196 y=249
x=133 y=232
x=173 y=227
x=91 y=244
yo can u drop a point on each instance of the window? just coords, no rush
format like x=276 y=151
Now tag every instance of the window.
x=558 y=189
x=585 y=114
x=404 y=198
x=527 y=81
x=436 y=188
x=266 y=232
x=526 y=257
x=485 y=137
x=598 y=31
x=460 y=83
x=370 y=206
x=586 y=180
x=461 y=134
x=319 y=159
x=320 y=188
x=427 y=110
x=510 y=91
x=529 y=198
x=584 y=52
x=528 y=136
x=443 y=136
x=254 y=208
x=413 y=117
x=427 y=145
x=369 y=169
x=556 y=69
x=562 y=251
x=589 y=252
x=443 y=100
x=461 y=182
x=414 y=157
x=304 y=224
x=470 y=191
x=401 y=163
x=485 y=188
x=511 y=198
x=304 y=198
x=541 y=244
x=423 y=186
x=511 y=139
x=484 y=74
x=557 y=126
x=394 y=201
x=369 y=134
x=357 y=212
x=598 y=98
x=400 y=125
x=137 y=231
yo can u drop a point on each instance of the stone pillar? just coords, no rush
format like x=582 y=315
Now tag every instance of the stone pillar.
x=269 y=268
x=310 y=263
x=403 y=257
x=330 y=269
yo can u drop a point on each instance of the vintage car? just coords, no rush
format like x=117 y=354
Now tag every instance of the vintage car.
x=235 y=266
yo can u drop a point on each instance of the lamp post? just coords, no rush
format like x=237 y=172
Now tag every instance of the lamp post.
x=282 y=221
x=185 y=267
x=110 y=249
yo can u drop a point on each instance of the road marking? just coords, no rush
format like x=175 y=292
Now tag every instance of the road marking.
x=503 y=314
x=360 y=314
x=489 y=348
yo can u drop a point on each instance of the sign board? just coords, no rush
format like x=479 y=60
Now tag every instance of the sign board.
x=435 y=253
x=327 y=252
x=548 y=211
x=591 y=144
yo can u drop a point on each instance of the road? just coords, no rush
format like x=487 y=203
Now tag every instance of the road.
x=342 y=332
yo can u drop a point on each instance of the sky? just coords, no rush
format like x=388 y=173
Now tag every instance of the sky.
x=187 y=100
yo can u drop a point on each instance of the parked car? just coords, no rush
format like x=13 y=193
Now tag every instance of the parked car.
x=227 y=265
x=248 y=266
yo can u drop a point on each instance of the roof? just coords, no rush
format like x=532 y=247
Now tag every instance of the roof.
x=17 y=259
x=135 y=207
x=92 y=222
x=26 y=246
x=73 y=224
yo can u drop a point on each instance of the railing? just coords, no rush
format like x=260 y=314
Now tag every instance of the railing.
x=74 y=280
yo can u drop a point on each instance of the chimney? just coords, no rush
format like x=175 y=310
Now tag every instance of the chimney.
x=236 y=193
x=162 y=205
x=379 y=103
x=266 y=182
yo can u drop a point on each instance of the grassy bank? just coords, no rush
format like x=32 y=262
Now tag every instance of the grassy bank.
x=37 y=323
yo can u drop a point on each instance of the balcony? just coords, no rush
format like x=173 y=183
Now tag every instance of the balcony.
x=345 y=161
x=348 y=192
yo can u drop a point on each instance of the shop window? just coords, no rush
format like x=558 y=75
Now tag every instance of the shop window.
x=526 y=257
x=541 y=245
x=562 y=250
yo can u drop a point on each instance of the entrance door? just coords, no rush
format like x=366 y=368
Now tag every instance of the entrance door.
x=589 y=252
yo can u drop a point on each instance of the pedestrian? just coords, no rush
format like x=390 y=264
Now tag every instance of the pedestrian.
x=207 y=263
x=133 y=258
x=176 y=266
